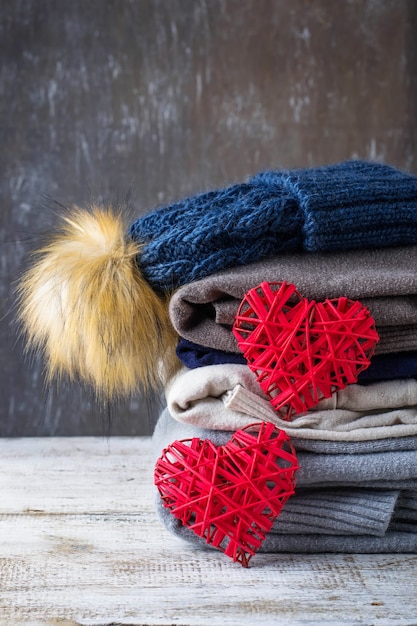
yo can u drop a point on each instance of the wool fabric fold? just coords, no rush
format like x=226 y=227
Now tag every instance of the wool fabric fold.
x=383 y=367
x=391 y=543
x=339 y=512
x=349 y=205
x=190 y=387
x=384 y=280
x=335 y=512
x=228 y=397
x=368 y=446
x=388 y=438
x=332 y=425
x=193 y=355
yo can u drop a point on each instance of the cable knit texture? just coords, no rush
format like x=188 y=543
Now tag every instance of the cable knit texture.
x=355 y=204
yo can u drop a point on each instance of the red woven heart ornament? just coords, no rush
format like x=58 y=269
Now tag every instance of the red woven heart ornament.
x=302 y=351
x=229 y=495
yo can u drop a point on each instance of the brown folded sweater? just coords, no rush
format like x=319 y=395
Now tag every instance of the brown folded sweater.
x=384 y=280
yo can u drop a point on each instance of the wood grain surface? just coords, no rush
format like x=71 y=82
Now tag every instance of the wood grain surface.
x=169 y=98
x=81 y=544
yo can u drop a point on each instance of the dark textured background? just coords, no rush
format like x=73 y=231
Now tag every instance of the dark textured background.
x=173 y=97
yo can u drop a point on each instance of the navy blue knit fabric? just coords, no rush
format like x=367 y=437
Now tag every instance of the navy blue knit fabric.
x=193 y=355
x=383 y=366
x=355 y=204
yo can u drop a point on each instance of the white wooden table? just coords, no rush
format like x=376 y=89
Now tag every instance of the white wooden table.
x=81 y=544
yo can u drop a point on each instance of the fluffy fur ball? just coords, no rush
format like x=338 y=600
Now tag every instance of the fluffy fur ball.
x=86 y=306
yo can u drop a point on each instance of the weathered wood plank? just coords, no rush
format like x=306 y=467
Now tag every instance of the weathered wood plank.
x=81 y=544
x=79 y=472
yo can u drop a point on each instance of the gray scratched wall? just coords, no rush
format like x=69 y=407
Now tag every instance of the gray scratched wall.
x=173 y=97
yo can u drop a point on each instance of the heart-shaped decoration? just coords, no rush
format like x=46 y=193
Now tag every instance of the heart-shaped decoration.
x=229 y=495
x=302 y=351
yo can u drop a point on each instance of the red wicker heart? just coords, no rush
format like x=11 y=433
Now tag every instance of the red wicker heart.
x=229 y=495
x=302 y=351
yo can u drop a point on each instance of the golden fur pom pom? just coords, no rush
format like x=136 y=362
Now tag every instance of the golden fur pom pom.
x=86 y=306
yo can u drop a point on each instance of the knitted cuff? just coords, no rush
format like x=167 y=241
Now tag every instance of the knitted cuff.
x=355 y=204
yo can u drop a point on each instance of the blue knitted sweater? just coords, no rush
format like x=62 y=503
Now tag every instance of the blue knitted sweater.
x=355 y=204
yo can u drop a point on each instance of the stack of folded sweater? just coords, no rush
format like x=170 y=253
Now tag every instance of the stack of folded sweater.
x=344 y=230
x=108 y=308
